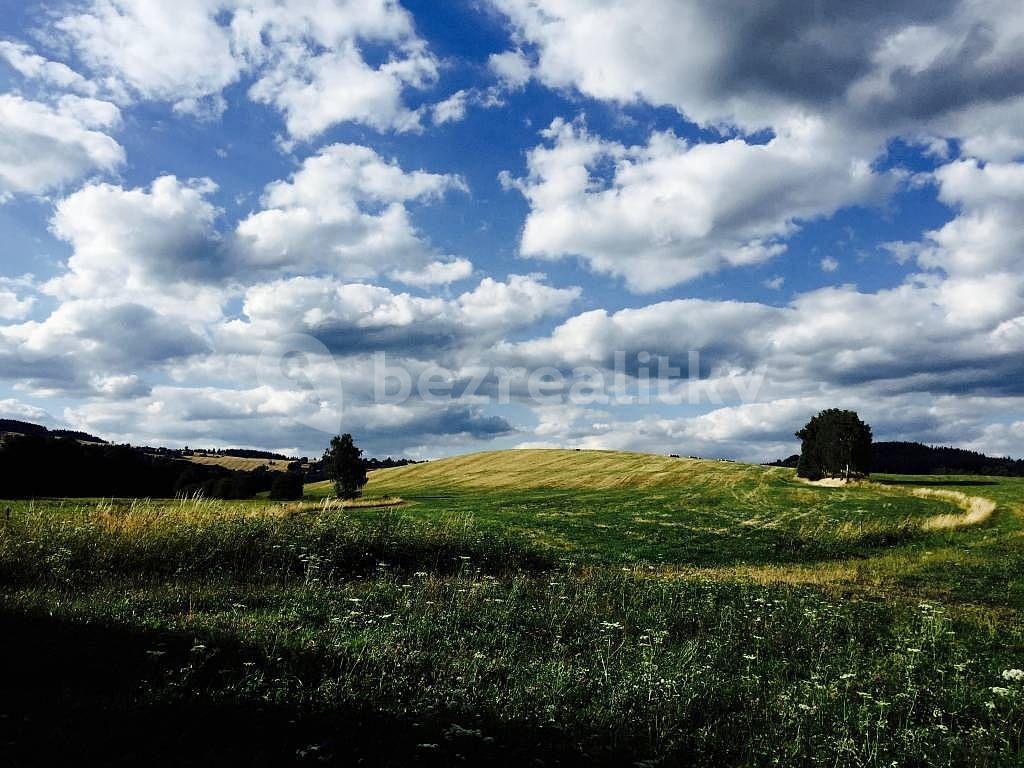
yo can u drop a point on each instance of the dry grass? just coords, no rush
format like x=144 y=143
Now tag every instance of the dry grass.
x=237 y=463
x=555 y=468
x=976 y=509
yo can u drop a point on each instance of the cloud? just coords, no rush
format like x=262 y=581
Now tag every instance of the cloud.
x=45 y=147
x=763 y=431
x=436 y=273
x=947 y=68
x=955 y=328
x=512 y=68
x=344 y=211
x=317 y=91
x=985 y=238
x=90 y=346
x=159 y=51
x=282 y=420
x=356 y=318
x=32 y=66
x=157 y=245
x=452 y=109
x=13 y=304
x=15 y=409
x=669 y=211
x=307 y=59
x=829 y=264
x=727 y=332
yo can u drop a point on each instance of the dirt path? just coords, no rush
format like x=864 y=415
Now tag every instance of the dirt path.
x=976 y=509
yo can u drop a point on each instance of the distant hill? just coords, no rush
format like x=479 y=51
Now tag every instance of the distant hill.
x=902 y=458
x=239 y=463
x=243 y=453
x=15 y=427
x=555 y=468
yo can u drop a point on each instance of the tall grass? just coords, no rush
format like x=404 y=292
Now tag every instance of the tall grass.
x=473 y=647
x=151 y=540
x=606 y=667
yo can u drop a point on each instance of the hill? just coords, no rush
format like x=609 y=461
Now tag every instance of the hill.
x=15 y=427
x=556 y=468
x=238 y=463
x=609 y=505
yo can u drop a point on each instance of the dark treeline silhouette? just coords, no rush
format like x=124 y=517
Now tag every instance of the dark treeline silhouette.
x=36 y=466
x=901 y=458
x=40 y=462
x=917 y=459
x=242 y=453
x=15 y=427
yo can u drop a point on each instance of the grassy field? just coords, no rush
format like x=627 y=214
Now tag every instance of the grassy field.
x=523 y=608
x=237 y=463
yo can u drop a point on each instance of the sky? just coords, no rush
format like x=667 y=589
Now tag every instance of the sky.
x=479 y=224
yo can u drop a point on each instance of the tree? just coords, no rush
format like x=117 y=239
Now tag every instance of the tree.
x=287 y=486
x=345 y=466
x=836 y=443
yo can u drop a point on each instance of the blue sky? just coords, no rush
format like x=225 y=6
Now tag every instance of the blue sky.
x=818 y=199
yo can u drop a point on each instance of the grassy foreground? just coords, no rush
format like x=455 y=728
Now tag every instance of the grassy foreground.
x=526 y=608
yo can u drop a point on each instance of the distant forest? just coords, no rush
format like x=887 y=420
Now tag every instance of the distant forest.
x=900 y=458
x=38 y=462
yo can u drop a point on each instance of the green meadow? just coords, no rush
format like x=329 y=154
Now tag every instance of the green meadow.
x=523 y=608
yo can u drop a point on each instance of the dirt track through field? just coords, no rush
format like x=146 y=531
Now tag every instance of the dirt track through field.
x=976 y=509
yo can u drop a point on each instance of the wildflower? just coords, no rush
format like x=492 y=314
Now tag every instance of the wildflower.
x=1000 y=691
x=847 y=676
x=1014 y=675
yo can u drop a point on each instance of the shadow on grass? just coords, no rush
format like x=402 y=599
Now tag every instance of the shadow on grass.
x=77 y=694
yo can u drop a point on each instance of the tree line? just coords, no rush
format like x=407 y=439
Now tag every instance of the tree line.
x=836 y=443
x=41 y=466
x=39 y=462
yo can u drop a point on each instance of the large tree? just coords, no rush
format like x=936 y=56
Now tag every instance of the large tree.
x=344 y=464
x=836 y=443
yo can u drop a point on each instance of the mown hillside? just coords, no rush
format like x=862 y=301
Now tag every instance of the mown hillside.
x=630 y=507
x=554 y=468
